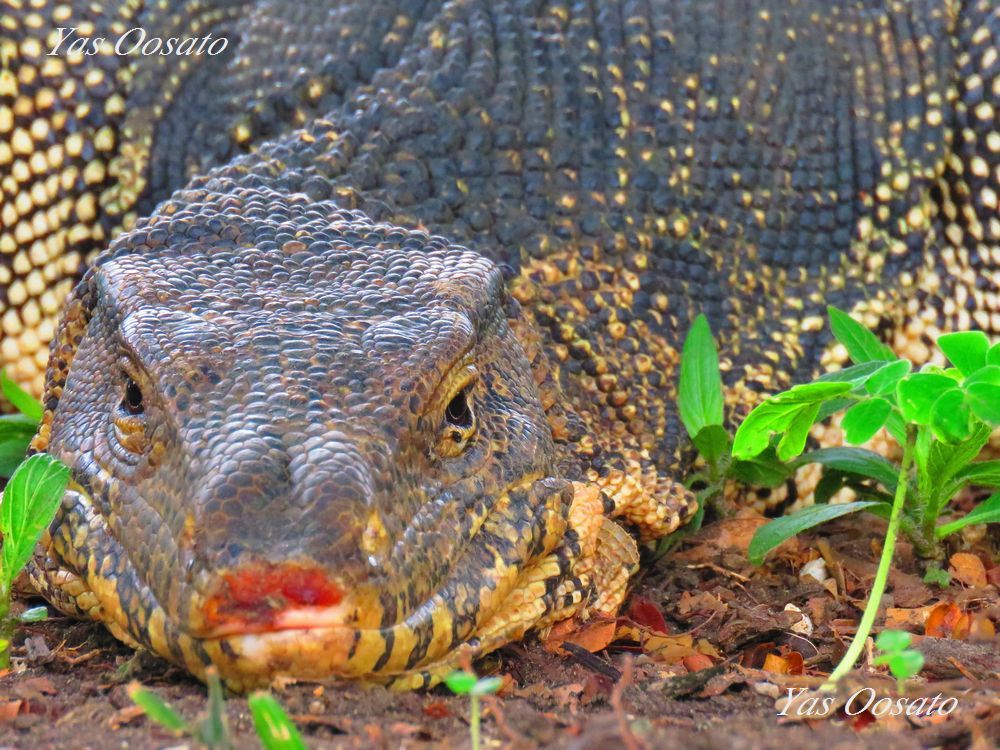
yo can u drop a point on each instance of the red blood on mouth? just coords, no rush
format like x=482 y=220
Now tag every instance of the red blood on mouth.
x=255 y=594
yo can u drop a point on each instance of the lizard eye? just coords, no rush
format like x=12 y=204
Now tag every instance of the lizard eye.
x=458 y=412
x=132 y=399
x=458 y=425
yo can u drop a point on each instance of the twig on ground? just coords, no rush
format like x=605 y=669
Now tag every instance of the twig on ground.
x=718 y=569
x=583 y=657
x=493 y=704
x=631 y=741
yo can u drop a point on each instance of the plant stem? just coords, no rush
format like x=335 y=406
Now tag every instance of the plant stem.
x=881 y=574
x=7 y=625
x=474 y=721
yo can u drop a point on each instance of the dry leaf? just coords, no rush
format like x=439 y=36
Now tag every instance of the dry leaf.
x=643 y=612
x=35 y=688
x=704 y=647
x=968 y=569
x=701 y=602
x=402 y=727
x=667 y=649
x=982 y=628
x=946 y=620
x=437 y=710
x=734 y=533
x=753 y=656
x=902 y=618
x=992 y=575
x=568 y=696
x=593 y=636
x=784 y=661
x=696 y=662
x=10 y=709
x=124 y=716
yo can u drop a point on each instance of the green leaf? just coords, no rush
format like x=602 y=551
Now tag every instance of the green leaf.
x=12 y=452
x=834 y=406
x=832 y=481
x=460 y=682
x=764 y=470
x=984 y=400
x=855 y=374
x=486 y=686
x=16 y=432
x=17 y=425
x=23 y=401
x=754 y=433
x=884 y=380
x=811 y=393
x=213 y=730
x=893 y=640
x=29 y=504
x=857 y=461
x=777 y=414
x=945 y=461
x=987 y=511
x=989 y=374
x=903 y=664
x=896 y=426
x=917 y=393
x=993 y=355
x=938 y=577
x=864 y=419
x=862 y=345
x=965 y=349
x=157 y=709
x=35 y=614
x=773 y=533
x=950 y=417
x=981 y=473
x=699 y=394
x=712 y=441
x=274 y=729
x=793 y=442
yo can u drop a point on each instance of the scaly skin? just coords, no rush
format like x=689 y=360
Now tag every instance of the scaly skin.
x=403 y=372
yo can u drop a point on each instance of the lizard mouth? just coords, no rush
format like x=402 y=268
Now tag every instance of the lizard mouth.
x=292 y=620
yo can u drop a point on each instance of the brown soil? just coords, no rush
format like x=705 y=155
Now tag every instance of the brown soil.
x=711 y=680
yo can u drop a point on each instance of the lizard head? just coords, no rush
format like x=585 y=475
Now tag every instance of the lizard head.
x=301 y=443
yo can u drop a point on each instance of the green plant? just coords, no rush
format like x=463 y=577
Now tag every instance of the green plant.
x=942 y=418
x=30 y=501
x=466 y=683
x=274 y=729
x=895 y=652
x=16 y=430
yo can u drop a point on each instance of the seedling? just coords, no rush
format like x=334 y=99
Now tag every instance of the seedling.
x=466 y=683
x=903 y=662
x=30 y=501
x=942 y=418
x=699 y=401
x=274 y=729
